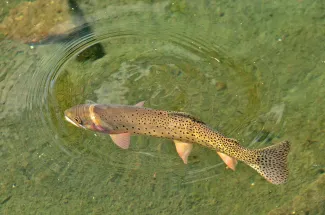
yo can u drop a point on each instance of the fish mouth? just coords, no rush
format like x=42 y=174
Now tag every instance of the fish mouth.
x=72 y=122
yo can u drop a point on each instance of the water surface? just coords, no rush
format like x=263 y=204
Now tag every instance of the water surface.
x=253 y=70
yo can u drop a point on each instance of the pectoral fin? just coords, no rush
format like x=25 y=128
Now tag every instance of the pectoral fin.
x=183 y=149
x=229 y=161
x=121 y=140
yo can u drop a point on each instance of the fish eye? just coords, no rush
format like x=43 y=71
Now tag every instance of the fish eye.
x=78 y=120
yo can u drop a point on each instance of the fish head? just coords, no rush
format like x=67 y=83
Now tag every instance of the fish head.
x=84 y=116
x=79 y=116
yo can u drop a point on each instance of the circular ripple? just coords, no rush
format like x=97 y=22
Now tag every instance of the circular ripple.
x=170 y=69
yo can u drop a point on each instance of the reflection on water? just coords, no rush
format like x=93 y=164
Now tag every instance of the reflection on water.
x=176 y=56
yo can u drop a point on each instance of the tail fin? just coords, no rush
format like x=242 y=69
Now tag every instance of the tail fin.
x=271 y=162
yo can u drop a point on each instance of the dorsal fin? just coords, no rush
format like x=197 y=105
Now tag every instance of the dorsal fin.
x=186 y=115
x=233 y=140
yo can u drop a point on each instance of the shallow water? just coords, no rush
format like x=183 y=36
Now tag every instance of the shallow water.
x=253 y=70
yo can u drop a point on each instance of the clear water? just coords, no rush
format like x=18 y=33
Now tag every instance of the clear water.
x=254 y=70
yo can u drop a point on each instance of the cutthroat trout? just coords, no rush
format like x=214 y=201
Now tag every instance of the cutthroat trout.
x=120 y=121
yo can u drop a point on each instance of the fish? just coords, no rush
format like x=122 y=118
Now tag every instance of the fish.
x=122 y=121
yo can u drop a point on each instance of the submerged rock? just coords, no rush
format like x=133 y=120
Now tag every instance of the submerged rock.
x=221 y=85
x=43 y=22
x=31 y=22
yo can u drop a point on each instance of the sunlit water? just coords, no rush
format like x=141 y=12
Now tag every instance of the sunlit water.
x=192 y=59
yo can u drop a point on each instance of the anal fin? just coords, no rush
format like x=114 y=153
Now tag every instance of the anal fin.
x=183 y=149
x=229 y=161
